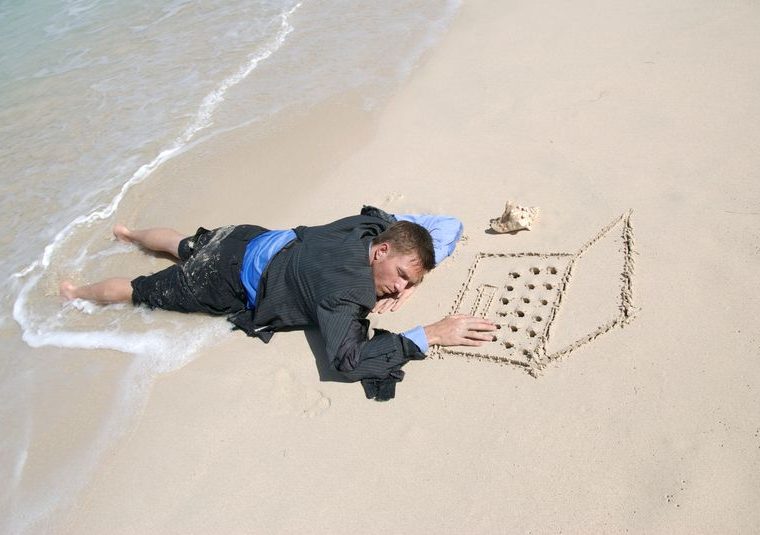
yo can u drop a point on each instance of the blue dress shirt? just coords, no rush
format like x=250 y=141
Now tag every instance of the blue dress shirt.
x=259 y=251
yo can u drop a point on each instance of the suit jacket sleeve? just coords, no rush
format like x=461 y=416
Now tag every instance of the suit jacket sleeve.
x=344 y=327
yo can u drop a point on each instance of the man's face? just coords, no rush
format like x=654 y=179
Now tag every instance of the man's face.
x=394 y=272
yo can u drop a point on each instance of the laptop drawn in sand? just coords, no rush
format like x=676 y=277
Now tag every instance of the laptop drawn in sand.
x=550 y=304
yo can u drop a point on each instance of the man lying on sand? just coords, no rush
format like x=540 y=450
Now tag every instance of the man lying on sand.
x=330 y=276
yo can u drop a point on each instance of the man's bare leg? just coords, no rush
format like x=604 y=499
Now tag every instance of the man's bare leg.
x=116 y=290
x=161 y=240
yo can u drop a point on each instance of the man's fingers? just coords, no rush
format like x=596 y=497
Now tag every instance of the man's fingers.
x=462 y=330
x=403 y=296
x=478 y=324
x=482 y=325
x=475 y=335
x=383 y=305
x=477 y=331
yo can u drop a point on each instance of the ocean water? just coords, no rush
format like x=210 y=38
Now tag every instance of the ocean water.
x=95 y=96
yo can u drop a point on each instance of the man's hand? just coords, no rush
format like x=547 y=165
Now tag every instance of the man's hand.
x=393 y=303
x=460 y=331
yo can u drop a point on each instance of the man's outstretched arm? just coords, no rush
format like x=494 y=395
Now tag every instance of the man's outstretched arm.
x=355 y=355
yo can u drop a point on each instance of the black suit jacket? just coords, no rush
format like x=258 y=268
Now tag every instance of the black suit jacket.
x=323 y=278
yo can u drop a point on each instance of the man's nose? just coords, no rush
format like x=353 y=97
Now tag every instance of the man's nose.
x=400 y=285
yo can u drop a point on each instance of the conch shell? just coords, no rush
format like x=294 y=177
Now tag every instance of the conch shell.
x=515 y=218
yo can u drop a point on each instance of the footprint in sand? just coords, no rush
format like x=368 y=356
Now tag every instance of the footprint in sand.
x=292 y=397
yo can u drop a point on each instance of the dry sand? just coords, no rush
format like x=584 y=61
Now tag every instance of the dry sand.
x=586 y=110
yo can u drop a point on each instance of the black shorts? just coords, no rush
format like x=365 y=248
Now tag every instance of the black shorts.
x=207 y=279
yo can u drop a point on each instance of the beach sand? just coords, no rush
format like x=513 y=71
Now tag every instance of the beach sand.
x=586 y=110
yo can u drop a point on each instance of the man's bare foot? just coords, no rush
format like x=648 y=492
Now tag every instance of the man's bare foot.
x=122 y=233
x=67 y=290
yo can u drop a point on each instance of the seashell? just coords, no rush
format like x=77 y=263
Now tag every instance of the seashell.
x=515 y=218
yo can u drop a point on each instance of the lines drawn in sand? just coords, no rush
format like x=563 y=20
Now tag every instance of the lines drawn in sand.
x=522 y=292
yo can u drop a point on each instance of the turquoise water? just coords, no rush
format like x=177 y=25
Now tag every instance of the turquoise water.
x=96 y=95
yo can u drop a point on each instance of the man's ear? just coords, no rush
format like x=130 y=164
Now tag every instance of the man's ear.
x=382 y=250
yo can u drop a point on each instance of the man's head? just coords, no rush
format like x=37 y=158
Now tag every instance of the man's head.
x=400 y=257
